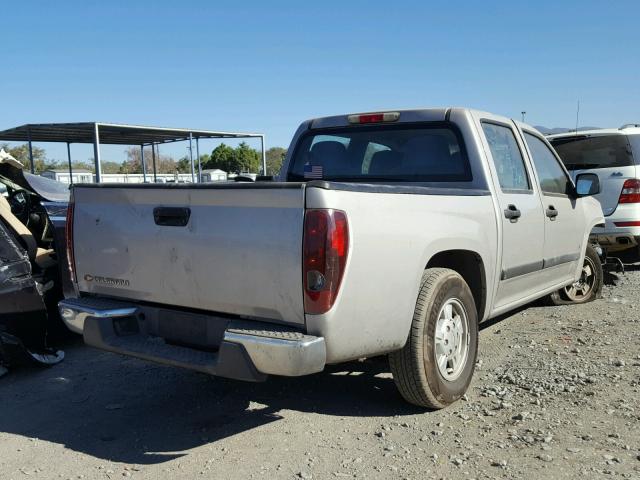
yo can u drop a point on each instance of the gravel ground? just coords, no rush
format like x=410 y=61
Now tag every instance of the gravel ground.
x=555 y=395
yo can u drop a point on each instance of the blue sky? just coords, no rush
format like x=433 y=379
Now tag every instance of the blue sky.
x=266 y=66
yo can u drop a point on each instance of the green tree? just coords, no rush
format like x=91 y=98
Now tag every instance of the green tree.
x=21 y=153
x=222 y=157
x=89 y=165
x=110 y=167
x=184 y=165
x=247 y=158
x=275 y=158
x=133 y=163
x=204 y=159
x=243 y=158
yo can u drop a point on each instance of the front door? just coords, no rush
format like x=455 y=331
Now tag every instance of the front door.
x=564 y=225
x=520 y=213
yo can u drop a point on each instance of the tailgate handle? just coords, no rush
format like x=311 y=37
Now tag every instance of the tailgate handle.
x=171 y=216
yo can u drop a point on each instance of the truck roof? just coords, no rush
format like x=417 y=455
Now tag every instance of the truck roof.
x=438 y=114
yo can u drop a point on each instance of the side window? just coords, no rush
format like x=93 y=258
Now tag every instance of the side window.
x=507 y=157
x=552 y=177
x=371 y=150
x=331 y=138
x=634 y=140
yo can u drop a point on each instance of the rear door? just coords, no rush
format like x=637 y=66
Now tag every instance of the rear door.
x=564 y=221
x=608 y=156
x=521 y=212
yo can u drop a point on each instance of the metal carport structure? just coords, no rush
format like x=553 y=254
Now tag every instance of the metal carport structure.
x=97 y=133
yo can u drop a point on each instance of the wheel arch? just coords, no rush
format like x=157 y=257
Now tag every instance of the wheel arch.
x=470 y=266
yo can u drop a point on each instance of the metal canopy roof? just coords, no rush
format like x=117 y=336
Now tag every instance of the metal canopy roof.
x=110 y=133
x=98 y=133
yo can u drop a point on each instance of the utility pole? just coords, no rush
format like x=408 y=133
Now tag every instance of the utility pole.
x=193 y=173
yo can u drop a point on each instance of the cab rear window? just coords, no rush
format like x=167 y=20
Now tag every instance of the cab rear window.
x=601 y=151
x=398 y=153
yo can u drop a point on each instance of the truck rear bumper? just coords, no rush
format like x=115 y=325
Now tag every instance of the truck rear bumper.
x=241 y=349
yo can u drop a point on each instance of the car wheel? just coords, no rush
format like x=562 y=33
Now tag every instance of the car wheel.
x=436 y=365
x=587 y=288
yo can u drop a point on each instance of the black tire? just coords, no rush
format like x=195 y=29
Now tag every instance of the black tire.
x=591 y=287
x=414 y=367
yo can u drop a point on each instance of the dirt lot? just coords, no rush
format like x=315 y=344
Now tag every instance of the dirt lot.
x=555 y=396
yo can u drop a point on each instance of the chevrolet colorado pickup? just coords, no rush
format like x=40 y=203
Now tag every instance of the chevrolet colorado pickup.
x=386 y=233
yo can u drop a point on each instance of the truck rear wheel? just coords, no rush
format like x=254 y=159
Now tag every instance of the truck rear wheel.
x=435 y=366
x=587 y=288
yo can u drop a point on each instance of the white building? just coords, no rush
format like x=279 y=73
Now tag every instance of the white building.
x=62 y=175
x=85 y=176
x=214 y=175
x=139 y=178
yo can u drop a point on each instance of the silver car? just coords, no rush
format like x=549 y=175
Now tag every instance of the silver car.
x=614 y=155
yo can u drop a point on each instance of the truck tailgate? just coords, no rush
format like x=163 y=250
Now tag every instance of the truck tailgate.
x=239 y=252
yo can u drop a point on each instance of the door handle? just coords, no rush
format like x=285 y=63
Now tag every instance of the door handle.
x=512 y=213
x=552 y=213
x=171 y=216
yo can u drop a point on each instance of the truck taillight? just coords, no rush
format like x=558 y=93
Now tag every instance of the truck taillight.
x=68 y=230
x=325 y=248
x=374 y=117
x=630 y=191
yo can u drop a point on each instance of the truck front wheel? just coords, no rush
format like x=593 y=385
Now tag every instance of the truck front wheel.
x=435 y=366
x=589 y=285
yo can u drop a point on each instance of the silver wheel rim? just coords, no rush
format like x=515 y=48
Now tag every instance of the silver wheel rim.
x=451 y=340
x=583 y=287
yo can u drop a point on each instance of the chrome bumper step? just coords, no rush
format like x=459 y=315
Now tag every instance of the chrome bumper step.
x=248 y=350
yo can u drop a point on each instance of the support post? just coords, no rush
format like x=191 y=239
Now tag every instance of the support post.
x=32 y=166
x=153 y=156
x=96 y=152
x=69 y=160
x=193 y=173
x=264 y=156
x=144 y=165
x=199 y=165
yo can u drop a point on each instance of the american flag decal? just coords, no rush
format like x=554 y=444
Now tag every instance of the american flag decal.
x=312 y=171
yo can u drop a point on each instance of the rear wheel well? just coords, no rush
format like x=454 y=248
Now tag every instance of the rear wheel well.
x=470 y=267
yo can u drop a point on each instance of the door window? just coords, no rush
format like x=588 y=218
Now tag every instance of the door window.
x=507 y=158
x=553 y=178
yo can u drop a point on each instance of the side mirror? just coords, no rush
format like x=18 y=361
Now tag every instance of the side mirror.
x=587 y=184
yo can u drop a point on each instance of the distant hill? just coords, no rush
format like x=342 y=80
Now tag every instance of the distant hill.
x=551 y=131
